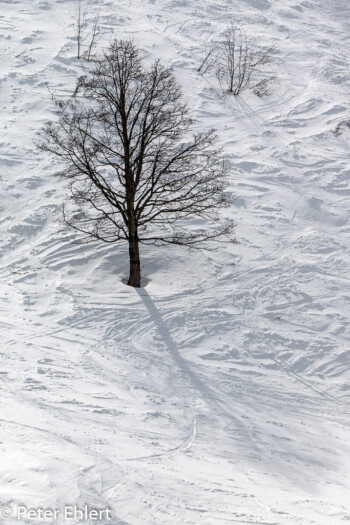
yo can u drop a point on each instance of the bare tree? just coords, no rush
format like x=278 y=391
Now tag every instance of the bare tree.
x=82 y=29
x=80 y=15
x=134 y=171
x=93 y=37
x=238 y=61
x=235 y=60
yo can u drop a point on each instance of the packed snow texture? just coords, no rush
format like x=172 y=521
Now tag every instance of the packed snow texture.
x=219 y=392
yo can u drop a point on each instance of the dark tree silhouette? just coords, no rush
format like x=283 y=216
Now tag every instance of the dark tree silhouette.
x=135 y=174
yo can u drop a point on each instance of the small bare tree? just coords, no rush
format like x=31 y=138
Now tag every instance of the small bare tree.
x=235 y=61
x=238 y=62
x=82 y=29
x=93 y=37
x=80 y=16
x=134 y=172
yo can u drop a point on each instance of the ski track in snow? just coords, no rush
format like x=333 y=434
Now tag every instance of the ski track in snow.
x=219 y=392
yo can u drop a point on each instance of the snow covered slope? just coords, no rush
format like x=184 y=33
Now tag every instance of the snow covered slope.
x=219 y=392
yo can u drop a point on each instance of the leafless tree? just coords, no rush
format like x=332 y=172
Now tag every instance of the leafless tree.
x=82 y=29
x=238 y=61
x=93 y=37
x=135 y=173
x=80 y=16
x=235 y=60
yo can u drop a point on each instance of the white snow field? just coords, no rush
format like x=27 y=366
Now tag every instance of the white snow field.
x=220 y=391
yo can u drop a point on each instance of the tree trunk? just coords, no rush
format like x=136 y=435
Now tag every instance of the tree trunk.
x=135 y=266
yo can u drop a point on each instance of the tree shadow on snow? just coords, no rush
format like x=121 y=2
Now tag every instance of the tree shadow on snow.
x=276 y=435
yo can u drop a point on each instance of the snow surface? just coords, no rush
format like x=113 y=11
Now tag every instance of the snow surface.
x=219 y=392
